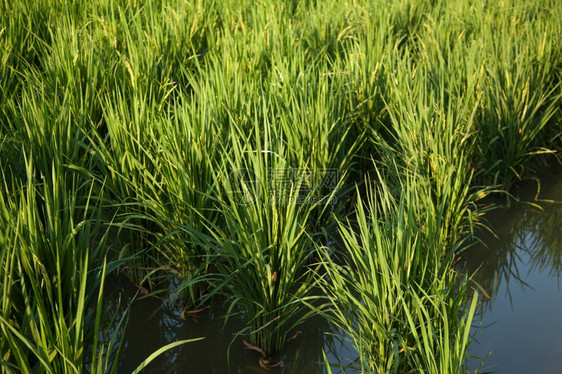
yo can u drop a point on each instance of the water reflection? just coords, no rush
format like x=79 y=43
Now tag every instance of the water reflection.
x=154 y=323
x=527 y=240
x=546 y=248
x=520 y=271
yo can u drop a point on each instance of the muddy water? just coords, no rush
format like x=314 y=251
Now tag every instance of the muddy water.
x=154 y=323
x=520 y=270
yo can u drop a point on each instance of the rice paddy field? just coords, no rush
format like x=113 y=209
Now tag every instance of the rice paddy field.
x=287 y=160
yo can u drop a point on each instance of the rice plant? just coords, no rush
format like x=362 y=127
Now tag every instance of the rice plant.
x=52 y=273
x=392 y=294
x=263 y=248
x=520 y=88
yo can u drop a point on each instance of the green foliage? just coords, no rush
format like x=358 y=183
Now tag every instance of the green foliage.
x=393 y=294
x=169 y=121
x=264 y=247
x=53 y=266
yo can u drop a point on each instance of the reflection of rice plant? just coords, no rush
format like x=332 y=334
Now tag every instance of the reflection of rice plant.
x=527 y=241
x=545 y=248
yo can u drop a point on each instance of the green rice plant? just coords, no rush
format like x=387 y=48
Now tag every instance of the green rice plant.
x=13 y=171
x=8 y=77
x=46 y=131
x=430 y=136
x=314 y=119
x=53 y=250
x=134 y=152
x=187 y=154
x=396 y=294
x=521 y=94
x=147 y=127
x=159 y=163
x=25 y=26
x=263 y=248
x=392 y=295
x=316 y=125
x=53 y=106
x=487 y=54
x=366 y=64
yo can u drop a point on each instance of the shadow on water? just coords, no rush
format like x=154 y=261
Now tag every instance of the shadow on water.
x=520 y=270
x=153 y=323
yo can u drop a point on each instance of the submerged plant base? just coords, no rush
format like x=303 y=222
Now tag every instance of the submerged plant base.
x=264 y=361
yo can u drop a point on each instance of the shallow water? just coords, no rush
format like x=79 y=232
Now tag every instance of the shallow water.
x=520 y=270
x=154 y=323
